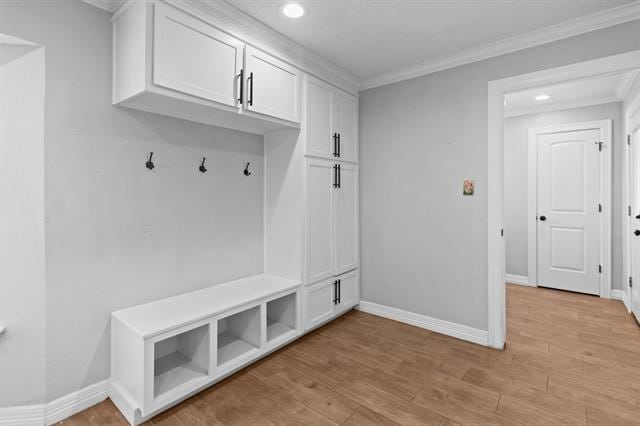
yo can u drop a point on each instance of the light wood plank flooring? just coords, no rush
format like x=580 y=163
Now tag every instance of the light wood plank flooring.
x=570 y=359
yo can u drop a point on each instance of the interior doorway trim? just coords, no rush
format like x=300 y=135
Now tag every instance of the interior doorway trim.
x=605 y=128
x=495 y=179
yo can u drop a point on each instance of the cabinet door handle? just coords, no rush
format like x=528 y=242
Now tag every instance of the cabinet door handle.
x=339 y=176
x=339 y=291
x=335 y=292
x=339 y=145
x=241 y=76
x=335 y=175
x=250 y=101
x=335 y=144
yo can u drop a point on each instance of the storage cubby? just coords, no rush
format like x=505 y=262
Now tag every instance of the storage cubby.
x=180 y=358
x=238 y=335
x=281 y=316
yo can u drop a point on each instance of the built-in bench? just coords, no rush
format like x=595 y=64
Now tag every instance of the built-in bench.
x=163 y=352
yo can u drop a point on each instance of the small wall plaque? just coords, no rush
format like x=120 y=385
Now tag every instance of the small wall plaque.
x=468 y=188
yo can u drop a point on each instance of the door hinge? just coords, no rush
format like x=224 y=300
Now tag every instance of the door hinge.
x=630 y=282
x=599 y=269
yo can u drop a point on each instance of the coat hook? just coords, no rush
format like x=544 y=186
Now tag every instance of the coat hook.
x=202 y=168
x=150 y=164
x=246 y=170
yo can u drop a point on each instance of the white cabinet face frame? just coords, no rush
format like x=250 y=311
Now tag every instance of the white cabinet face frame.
x=271 y=86
x=195 y=58
x=605 y=158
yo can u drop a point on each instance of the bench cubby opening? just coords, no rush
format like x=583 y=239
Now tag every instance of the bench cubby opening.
x=281 y=316
x=180 y=359
x=238 y=334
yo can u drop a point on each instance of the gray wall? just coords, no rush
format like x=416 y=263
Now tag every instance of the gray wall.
x=516 y=141
x=424 y=246
x=117 y=234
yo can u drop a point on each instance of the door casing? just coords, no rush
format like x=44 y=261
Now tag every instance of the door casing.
x=605 y=127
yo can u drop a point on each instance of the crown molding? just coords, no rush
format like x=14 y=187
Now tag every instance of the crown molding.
x=625 y=84
x=557 y=106
x=108 y=5
x=585 y=24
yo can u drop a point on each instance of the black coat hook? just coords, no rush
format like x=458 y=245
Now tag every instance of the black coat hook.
x=246 y=170
x=150 y=164
x=202 y=168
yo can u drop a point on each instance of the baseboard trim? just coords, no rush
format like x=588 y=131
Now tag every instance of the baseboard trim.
x=452 y=329
x=518 y=279
x=623 y=297
x=57 y=410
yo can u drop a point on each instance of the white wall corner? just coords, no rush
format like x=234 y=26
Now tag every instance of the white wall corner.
x=452 y=329
x=56 y=410
x=518 y=279
x=622 y=296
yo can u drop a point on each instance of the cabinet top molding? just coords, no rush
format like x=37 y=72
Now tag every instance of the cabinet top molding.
x=252 y=32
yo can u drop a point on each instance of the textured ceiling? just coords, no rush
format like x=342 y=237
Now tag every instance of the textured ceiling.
x=373 y=37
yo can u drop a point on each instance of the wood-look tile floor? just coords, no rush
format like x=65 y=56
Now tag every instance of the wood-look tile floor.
x=570 y=359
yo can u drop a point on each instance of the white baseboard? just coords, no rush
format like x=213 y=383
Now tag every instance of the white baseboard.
x=623 y=297
x=452 y=329
x=57 y=410
x=517 y=279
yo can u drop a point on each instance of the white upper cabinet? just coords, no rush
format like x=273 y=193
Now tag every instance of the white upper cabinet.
x=332 y=122
x=272 y=86
x=346 y=219
x=319 y=112
x=346 y=125
x=172 y=63
x=194 y=58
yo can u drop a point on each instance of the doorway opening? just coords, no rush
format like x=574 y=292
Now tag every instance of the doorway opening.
x=572 y=154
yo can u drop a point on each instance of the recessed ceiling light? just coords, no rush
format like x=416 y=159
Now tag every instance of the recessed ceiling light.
x=542 y=97
x=292 y=10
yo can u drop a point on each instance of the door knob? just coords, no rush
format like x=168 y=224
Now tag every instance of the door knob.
x=636 y=232
x=543 y=218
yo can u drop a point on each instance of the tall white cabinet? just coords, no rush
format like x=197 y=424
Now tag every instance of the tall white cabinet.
x=331 y=212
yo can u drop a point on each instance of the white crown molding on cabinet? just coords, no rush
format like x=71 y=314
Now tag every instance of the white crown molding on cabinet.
x=55 y=411
x=595 y=21
x=452 y=329
x=108 y=5
x=557 y=106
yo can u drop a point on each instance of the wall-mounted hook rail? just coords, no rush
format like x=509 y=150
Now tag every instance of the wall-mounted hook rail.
x=149 y=163
x=202 y=168
x=246 y=170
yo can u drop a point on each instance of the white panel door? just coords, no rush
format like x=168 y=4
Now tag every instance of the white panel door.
x=346 y=118
x=320 y=303
x=319 y=250
x=272 y=86
x=348 y=291
x=635 y=216
x=194 y=58
x=346 y=218
x=568 y=217
x=319 y=119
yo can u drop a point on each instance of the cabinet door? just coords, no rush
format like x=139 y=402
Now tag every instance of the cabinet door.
x=348 y=291
x=319 y=251
x=319 y=115
x=346 y=219
x=320 y=305
x=346 y=117
x=194 y=58
x=272 y=86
